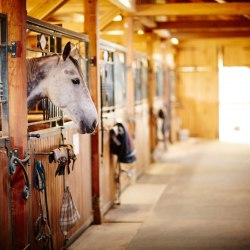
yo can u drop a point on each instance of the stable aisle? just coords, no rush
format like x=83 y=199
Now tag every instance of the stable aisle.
x=197 y=196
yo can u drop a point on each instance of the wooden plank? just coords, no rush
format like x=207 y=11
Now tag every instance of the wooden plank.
x=151 y=92
x=204 y=24
x=242 y=58
x=4 y=204
x=199 y=99
x=182 y=35
x=187 y=9
x=91 y=27
x=107 y=18
x=202 y=56
x=17 y=118
x=79 y=181
x=128 y=43
x=42 y=10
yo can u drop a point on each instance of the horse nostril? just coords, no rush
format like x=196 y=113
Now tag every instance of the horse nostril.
x=94 y=124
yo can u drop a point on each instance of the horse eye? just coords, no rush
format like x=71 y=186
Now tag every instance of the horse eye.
x=76 y=81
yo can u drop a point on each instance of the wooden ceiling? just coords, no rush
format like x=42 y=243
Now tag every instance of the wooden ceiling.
x=183 y=19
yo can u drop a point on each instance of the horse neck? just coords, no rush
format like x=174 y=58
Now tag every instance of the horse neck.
x=37 y=70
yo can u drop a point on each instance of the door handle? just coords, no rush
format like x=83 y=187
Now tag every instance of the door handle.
x=13 y=163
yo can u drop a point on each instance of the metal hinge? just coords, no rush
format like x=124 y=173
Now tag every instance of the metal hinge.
x=92 y=61
x=12 y=48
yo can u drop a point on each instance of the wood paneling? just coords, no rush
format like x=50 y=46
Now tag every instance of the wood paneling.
x=242 y=58
x=42 y=10
x=4 y=204
x=197 y=72
x=199 y=103
x=79 y=182
x=202 y=56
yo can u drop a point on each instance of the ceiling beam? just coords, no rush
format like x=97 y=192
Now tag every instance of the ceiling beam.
x=148 y=22
x=107 y=18
x=42 y=10
x=212 y=34
x=204 y=24
x=128 y=5
x=187 y=9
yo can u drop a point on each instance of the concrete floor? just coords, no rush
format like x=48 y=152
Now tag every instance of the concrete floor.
x=196 y=197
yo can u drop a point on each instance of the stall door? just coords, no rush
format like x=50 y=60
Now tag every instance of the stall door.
x=4 y=184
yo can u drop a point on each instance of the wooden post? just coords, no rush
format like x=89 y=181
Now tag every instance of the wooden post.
x=151 y=92
x=128 y=43
x=17 y=80
x=91 y=29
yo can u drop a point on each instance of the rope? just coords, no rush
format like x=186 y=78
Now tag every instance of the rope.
x=44 y=232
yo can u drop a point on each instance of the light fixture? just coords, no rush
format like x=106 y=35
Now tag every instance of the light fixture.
x=140 y=32
x=113 y=32
x=174 y=41
x=220 y=1
x=126 y=3
x=117 y=18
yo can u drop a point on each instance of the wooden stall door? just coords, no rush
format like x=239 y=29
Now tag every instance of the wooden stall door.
x=14 y=209
x=78 y=181
x=4 y=200
x=4 y=204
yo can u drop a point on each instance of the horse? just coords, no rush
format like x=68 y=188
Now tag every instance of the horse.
x=60 y=78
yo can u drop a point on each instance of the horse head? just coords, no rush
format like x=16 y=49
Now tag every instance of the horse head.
x=61 y=80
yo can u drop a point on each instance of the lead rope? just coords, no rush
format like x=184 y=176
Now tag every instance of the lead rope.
x=42 y=224
x=64 y=187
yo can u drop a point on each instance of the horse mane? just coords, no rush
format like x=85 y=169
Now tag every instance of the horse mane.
x=35 y=71
x=33 y=64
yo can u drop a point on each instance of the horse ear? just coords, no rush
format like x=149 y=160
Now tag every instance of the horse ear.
x=66 y=51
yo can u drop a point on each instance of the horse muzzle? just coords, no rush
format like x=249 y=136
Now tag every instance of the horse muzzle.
x=87 y=128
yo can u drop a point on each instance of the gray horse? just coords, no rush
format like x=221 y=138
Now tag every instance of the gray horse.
x=60 y=78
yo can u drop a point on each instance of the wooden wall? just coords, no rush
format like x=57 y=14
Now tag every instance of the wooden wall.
x=197 y=81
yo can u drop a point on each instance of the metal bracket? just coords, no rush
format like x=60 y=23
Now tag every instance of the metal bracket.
x=92 y=61
x=13 y=48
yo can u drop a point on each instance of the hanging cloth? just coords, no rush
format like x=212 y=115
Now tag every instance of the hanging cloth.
x=68 y=213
